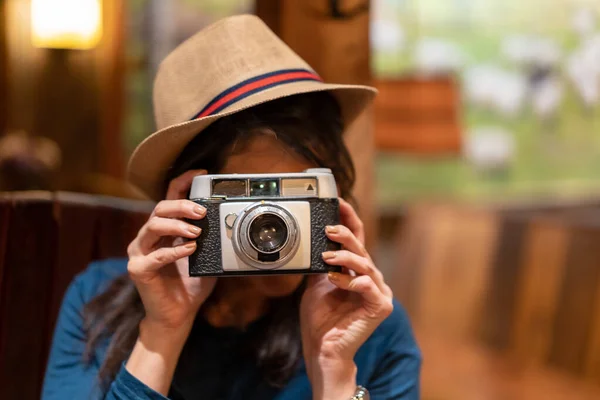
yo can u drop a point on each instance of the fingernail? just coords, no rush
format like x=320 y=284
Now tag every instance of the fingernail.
x=334 y=276
x=199 y=210
x=190 y=245
x=331 y=229
x=328 y=255
x=194 y=229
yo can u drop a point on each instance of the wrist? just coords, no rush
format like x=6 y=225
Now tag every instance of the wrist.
x=155 y=354
x=332 y=379
x=154 y=331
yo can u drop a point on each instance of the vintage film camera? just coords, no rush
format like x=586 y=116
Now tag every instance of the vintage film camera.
x=261 y=224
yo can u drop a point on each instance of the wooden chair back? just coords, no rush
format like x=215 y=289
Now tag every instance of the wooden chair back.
x=45 y=240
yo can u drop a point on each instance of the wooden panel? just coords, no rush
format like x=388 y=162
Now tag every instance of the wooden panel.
x=417 y=95
x=23 y=63
x=67 y=111
x=455 y=370
x=592 y=357
x=110 y=57
x=118 y=223
x=543 y=269
x=577 y=299
x=526 y=279
x=270 y=12
x=100 y=227
x=506 y=275
x=417 y=137
x=455 y=273
x=75 y=98
x=3 y=71
x=362 y=149
x=412 y=244
x=45 y=240
x=323 y=33
x=417 y=115
x=25 y=293
x=5 y=207
x=76 y=218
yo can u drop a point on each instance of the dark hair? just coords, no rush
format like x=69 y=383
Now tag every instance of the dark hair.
x=311 y=125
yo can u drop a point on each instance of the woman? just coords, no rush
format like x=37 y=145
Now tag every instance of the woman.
x=234 y=99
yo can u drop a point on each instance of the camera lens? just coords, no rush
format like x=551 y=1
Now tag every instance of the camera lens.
x=268 y=233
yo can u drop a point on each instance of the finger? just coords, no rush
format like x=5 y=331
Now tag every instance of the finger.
x=179 y=209
x=356 y=263
x=378 y=303
x=158 y=227
x=179 y=187
x=145 y=266
x=349 y=218
x=345 y=237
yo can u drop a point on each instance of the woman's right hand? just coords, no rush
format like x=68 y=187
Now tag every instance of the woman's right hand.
x=158 y=260
x=158 y=265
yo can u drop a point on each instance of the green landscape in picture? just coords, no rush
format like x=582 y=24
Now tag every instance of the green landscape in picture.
x=530 y=79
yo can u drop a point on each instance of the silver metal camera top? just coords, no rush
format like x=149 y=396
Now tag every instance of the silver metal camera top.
x=314 y=182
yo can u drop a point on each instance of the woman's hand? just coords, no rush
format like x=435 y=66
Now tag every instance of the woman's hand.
x=339 y=312
x=158 y=259
x=158 y=265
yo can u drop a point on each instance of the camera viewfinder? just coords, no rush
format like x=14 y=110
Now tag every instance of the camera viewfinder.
x=264 y=188
x=229 y=187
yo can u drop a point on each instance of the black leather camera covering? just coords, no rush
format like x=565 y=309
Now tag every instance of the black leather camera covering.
x=206 y=260
x=323 y=212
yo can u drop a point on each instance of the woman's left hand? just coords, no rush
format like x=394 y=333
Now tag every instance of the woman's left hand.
x=340 y=311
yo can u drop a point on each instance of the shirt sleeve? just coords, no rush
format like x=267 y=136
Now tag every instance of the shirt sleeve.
x=67 y=375
x=397 y=374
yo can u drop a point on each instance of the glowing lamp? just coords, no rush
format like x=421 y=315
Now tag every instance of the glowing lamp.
x=66 y=24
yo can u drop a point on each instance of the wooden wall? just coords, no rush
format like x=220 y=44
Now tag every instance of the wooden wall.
x=333 y=37
x=3 y=70
x=72 y=97
x=111 y=67
x=418 y=115
x=524 y=281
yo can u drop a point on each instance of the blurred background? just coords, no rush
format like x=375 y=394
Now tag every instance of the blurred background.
x=478 y=168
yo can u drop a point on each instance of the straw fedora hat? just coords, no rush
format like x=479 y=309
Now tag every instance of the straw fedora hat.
x=231 y=65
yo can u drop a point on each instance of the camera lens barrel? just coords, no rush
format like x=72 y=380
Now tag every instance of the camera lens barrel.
x=265 y=235
x=268 y=233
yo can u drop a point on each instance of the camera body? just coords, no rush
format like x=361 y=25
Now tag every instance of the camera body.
x=263 y=224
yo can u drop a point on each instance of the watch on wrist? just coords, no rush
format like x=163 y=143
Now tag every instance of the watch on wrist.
x=361 y=394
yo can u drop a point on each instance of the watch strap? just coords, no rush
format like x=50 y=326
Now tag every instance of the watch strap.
x=361 y=394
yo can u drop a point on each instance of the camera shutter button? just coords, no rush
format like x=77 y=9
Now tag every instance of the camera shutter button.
x=230 y=220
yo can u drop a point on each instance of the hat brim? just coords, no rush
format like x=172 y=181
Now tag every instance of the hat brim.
x=153 y=157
